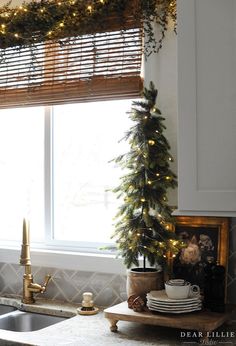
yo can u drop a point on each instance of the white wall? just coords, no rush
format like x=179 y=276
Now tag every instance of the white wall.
x=161 y=68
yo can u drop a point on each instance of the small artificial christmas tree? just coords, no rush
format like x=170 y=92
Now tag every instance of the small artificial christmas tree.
x=144 y=220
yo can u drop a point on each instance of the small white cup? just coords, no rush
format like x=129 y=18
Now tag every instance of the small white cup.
x=182 y=292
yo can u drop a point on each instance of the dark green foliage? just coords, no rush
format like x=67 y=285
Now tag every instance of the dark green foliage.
x=144 y=219
x=40 y=21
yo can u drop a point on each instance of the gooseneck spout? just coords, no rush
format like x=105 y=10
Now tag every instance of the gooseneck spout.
x=25 y=247
x=29 y=287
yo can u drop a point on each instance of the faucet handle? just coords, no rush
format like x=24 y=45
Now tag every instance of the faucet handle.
x=47 y=279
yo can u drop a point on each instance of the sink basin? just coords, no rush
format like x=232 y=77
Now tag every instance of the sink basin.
x=4 y=309
x=20 y=321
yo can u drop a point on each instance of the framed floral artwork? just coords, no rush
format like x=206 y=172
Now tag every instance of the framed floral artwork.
x=206 y=241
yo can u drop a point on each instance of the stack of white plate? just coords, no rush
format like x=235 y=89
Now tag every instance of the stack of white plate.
x=158 y=301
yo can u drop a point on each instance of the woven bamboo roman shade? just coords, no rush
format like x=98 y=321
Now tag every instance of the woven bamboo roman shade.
x=105 y=65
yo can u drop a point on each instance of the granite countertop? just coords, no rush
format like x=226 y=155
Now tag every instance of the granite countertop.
x=80 y=330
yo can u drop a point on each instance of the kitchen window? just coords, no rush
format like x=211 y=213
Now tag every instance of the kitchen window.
x=62 y=111
x=56 y=172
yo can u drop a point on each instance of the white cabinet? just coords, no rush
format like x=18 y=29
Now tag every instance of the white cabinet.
x=207 y=107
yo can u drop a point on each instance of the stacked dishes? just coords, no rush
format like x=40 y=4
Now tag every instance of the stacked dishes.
x=159 y=301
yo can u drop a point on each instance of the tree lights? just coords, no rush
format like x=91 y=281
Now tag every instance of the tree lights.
x=144 y=221
x=52 y=19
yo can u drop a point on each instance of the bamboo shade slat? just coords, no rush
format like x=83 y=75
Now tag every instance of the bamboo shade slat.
x=101 y=66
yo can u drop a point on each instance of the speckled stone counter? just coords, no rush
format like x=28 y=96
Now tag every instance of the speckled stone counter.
x=94 y=330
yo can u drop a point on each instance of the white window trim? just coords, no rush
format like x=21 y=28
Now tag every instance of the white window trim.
x=67 y=260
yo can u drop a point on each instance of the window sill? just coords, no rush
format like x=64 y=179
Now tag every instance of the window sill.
x=68 y=260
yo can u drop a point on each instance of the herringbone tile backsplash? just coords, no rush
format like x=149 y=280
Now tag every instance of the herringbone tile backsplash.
x=108 y=289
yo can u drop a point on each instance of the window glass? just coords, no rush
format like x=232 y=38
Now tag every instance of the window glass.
x=85 y=138
x=22 y=172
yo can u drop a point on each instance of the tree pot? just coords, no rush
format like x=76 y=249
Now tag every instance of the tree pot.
x=141 y=282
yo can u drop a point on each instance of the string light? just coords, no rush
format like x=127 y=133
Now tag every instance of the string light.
x=61 y=25
x=158 y=174
x=142 y=199
x=170 y=159
x=167 y=178
x=16 y=35
x=151 y=142
x=25 y=8
x=149 y=182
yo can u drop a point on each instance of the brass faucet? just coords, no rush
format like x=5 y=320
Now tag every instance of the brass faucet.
x=29 y=287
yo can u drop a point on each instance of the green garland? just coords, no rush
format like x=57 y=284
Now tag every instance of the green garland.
x=40 y=21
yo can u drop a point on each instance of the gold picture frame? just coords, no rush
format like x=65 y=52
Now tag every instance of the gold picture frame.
x=207 y=239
